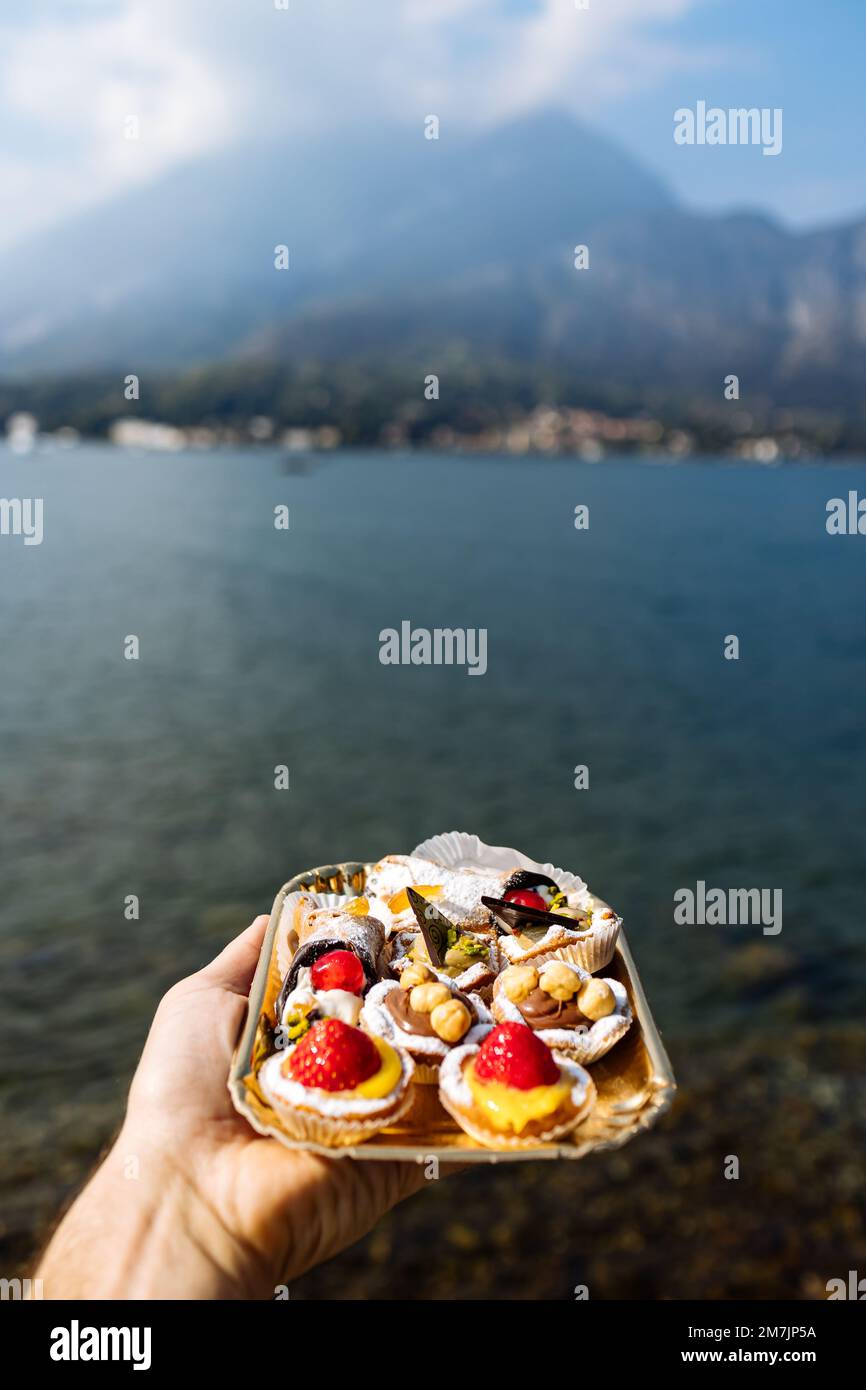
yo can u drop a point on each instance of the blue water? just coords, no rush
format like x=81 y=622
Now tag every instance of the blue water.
x=260 y=647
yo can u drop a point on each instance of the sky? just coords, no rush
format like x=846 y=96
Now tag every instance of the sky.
x=200 y=75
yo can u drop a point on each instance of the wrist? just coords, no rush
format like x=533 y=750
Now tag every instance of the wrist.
x=140 y=1230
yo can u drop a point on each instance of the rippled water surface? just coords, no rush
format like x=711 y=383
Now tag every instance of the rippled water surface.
x=260 y=647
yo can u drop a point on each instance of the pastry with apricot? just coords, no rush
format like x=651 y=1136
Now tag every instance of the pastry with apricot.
x=510 y=1091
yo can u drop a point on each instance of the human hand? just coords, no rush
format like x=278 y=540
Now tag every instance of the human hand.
x=190 y=1202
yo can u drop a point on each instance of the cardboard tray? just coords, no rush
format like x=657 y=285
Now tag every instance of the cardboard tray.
x=634 y=1080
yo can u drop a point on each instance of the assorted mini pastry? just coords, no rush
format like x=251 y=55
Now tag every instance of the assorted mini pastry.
x=425 y=1013
x=510 y=1091
x=338 y=1085
x=479 y=980
x=585 y=933
x=572 y=1012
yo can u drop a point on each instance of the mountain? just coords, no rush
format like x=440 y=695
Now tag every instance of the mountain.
x=407 y=248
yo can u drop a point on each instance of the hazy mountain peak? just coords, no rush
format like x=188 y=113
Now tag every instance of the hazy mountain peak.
x=401 y=244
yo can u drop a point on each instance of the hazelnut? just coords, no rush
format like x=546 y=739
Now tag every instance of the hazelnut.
x=424 y=998
x=518 y=981
x=559 y=980
x=595 y=999
x=416 y=974
x=451 y=1020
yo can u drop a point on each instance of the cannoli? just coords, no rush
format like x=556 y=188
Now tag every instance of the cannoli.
x=325 y=931
x=332 y=987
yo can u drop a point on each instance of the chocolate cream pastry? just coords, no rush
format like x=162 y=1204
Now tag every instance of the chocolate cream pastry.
x=427 y=1015
x=571 y=1011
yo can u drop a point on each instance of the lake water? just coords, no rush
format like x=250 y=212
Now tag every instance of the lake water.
x=260 y=647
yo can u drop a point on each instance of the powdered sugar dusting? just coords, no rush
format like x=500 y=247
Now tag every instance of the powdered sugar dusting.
x=462 y=889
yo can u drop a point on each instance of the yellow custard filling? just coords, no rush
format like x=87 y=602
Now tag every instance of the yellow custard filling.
x=376 y=1086
x=507 y=1108
x=383 y=1080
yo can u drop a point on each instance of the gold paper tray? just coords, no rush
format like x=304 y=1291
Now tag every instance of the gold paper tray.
x=635 y=1081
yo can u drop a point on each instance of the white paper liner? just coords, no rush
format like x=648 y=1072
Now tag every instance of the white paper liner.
x=591 y=950
x=456 y=1097
x=583 y=1047
x=458 y=850
x=426 y=1073
x=312 y=1128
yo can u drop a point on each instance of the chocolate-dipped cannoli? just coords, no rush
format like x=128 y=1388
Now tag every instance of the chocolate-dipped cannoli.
x=325 y=932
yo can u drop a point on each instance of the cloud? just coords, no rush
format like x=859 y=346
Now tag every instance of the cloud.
x=203 y=73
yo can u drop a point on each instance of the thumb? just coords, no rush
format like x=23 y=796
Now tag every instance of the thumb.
x=233 y=969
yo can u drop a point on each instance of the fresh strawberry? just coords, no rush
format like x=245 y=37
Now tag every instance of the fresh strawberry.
x=513 y=1054
x=338 y=970
x=333 y=1056
x=527 y=897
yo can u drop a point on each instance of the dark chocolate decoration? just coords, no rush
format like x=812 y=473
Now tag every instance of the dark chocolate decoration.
x=529 y=878
x=434 y=926
x=514 y=917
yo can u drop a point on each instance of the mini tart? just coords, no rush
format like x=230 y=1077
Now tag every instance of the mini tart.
x=338 y=1118
x=477 y=978
x=426 y=1052
x=575 y=1101
x=584 y=1042
x=592 y=950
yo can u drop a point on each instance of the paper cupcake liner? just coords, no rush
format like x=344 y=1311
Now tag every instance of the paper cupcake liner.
x=425 y=1074
x=592 y=953
x=584 y=1055
x=455 y=849
x=333 y=1131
